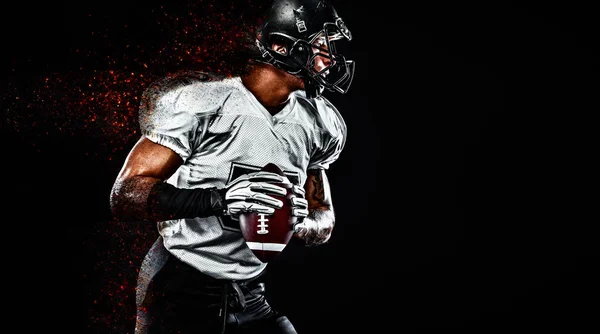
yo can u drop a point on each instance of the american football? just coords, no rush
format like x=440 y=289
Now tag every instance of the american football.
x=267 y=235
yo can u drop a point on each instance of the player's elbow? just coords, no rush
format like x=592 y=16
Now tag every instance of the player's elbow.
x=123 y=206
x=116 y=201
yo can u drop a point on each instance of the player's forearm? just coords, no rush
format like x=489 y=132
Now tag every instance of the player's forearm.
x=150 y=199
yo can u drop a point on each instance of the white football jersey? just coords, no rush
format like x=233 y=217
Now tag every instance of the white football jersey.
x=221 y=131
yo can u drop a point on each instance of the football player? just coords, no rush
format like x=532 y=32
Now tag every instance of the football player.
x=196 y=168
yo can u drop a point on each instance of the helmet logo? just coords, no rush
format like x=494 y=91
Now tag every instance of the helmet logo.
x=301 y=25
x=299 y=22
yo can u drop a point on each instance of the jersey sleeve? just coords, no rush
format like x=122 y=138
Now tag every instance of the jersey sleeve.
x=170 y=109
x=163 y=122
x=333 y=138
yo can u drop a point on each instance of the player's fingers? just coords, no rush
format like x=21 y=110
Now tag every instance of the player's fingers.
x=298 y=212
x=268 y=188
x=265 y=199
x=299 y=191
x=263 y=176
x=299 y=202
x=236 y=208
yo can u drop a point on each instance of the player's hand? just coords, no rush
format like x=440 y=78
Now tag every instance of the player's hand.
x=250 y=193
x=299 y=203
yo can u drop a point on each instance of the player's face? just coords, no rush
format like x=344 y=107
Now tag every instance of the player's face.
x=320 y=49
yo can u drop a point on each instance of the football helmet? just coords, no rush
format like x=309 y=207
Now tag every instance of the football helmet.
x=308 y=29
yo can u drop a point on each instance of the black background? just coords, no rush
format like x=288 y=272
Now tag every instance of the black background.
x=461 y=196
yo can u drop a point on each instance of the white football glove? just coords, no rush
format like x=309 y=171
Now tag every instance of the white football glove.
x=299 y=203
x=249 y=193
x=300 y=210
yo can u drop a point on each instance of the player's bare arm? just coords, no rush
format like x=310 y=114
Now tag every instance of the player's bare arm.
x=317 y=227
x=147 y=164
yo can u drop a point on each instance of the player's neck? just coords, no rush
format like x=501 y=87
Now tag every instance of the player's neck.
x=271 y=86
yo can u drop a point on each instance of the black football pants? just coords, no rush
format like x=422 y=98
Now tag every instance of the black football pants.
x=183 y=300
